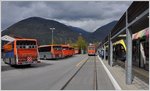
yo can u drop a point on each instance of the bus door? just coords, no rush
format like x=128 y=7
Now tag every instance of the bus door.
x=57 y=51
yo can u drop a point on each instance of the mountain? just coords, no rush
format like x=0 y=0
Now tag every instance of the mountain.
x=39 y=28
x=103 y=31
x=79 y=30
x=82 y=32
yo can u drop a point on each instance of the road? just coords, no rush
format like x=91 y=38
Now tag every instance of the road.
x=53 y=74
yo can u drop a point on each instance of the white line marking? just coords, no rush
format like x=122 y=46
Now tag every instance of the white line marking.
x=114 y=82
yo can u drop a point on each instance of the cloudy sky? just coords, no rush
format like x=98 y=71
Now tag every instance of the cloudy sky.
x=88 y=15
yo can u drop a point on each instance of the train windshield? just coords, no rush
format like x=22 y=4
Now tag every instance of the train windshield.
x=57 y=47
x=91 y=48
x=25 y=44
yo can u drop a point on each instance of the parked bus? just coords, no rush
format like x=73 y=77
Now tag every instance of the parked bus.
x=65 y=50
x=50 y=51
x=21 y=52
x=71 y=51
x=91 y=50
x=76 y=50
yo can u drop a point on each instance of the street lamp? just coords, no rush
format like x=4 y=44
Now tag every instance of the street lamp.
x=52 y=34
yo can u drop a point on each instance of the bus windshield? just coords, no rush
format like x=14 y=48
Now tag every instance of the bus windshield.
x=25 y=44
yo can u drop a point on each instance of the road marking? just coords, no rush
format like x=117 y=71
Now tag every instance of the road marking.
x=114 y=82
x=82 y=61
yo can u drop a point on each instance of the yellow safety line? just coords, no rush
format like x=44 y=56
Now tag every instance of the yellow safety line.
x=80 y=63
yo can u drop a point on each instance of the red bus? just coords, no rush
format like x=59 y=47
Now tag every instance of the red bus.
x=91 y=50
x=21 y=52
x=71 y=51
x=76 y=50
x=65 y=50
x=50 y=51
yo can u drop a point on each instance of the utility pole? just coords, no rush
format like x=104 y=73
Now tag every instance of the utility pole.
x=52 y=34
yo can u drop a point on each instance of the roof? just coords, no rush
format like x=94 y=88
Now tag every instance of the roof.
x=136 y=24
x=7 y=38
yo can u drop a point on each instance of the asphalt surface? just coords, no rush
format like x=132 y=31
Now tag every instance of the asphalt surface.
x=85 y=78
x=52 y=75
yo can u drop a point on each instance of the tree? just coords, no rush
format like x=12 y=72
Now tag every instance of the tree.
x=81 y=43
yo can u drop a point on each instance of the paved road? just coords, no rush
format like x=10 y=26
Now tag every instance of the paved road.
x=44 y=76
x=49 y=75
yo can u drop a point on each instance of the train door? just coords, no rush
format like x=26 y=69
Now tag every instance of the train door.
x=136 y=53
x=144 y=55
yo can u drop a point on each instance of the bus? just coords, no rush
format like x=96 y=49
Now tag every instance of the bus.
x=21 y=52
x=91 y=50
x=71 y=51
x=65 y=50
x=50 y=52
x=76 y=50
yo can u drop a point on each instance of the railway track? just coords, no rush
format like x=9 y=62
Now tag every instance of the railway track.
x=94 y=68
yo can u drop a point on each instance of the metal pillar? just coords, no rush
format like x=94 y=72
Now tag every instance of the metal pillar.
x=109 y=49
x=129 y=53
x=104 y=52
x=52 y=35
x=111 y=52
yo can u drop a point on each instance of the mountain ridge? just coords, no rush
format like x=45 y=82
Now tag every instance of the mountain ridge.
x=39 y=28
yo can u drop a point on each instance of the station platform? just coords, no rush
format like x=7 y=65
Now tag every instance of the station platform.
x=140 y=76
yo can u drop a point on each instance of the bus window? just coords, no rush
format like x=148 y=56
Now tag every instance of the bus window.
x=65 y=48
x=26 y=44
x=57 y=47
x=45 y=49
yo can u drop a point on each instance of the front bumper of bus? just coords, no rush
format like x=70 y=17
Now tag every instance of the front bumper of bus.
x=27 y=62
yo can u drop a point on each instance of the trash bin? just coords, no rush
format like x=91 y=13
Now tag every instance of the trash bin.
x=84 y=52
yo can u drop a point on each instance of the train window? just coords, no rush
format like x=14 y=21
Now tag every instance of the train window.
x=91 y=48
x=146 y=49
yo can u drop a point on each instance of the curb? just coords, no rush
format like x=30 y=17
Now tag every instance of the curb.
x=114 y=82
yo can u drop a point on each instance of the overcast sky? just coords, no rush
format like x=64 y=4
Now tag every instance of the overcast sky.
x=88 y=15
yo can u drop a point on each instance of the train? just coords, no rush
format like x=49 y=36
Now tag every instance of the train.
x=91 y=50
x=140 y=49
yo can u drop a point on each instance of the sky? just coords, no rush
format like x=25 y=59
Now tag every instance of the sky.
x=88 y=15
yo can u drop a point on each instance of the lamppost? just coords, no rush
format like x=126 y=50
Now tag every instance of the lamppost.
x=52 y=34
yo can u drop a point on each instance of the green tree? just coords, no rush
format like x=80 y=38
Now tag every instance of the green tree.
x=81 y=43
